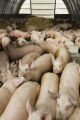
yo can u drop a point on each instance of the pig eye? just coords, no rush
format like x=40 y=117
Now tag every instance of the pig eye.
x=23 y=41
x=59 y=66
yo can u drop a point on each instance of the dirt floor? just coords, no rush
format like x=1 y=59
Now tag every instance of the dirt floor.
x=36 y=23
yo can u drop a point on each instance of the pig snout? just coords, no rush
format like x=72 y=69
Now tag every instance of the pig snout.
x=57 y=66
x=18 y=33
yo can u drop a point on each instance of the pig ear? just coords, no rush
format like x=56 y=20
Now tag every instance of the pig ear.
x=74 y=102
x=61 y=59
x=29 y=107
x=54 y=95
x=31 y=64
x=47 y=116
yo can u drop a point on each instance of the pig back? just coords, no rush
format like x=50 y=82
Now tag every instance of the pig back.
x=70 y=79
x=48 y=46
x=4 y=60
x=43 y=63
x=62 y=52
x=4 y=93
x=49 y=83
x=76 y=114
x=28 y=57
x=16 y=109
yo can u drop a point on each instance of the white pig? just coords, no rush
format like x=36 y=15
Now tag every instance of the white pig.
x=7 y=90
x=45 y=108
x=16 y=109
x=26 y=60
x=37 y=37
x=52 y=40
x=38 y=67
x=49 y=46
x=4 y=66
x=19 y=33
x=53 y=34
x=22 y=42
x=68 y=44
x=77 y=41
x=62 y=58
x=68 y=91
x=76 y=114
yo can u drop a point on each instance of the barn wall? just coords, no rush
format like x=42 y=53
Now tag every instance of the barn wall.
x=43 y=8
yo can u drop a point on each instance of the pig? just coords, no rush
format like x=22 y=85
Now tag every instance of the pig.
x=69 y=35
x=62 y=58
x=16 y=109
x=4 y=66
x=18 y=33
x=3 y=31
x=68 y=91
x=68 y=44
x=3 y=35
x=45 y=108
x=77 y=41
x=48 y=46
x=17 y=53
x=9 y=28
x=75 y=115
x=37 y=37
x=52 y=40
x=58 y=43
x=22 y=42
x=77 y=33
x=7 y=90
x=65 y=26
x=14 y=26
x=38 y=67
x=64 y=41
x=14 y=67
x=26 y=60
x=53 y=34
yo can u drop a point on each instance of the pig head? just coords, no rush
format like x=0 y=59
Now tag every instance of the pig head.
x=35 y=114
x=65 y=105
